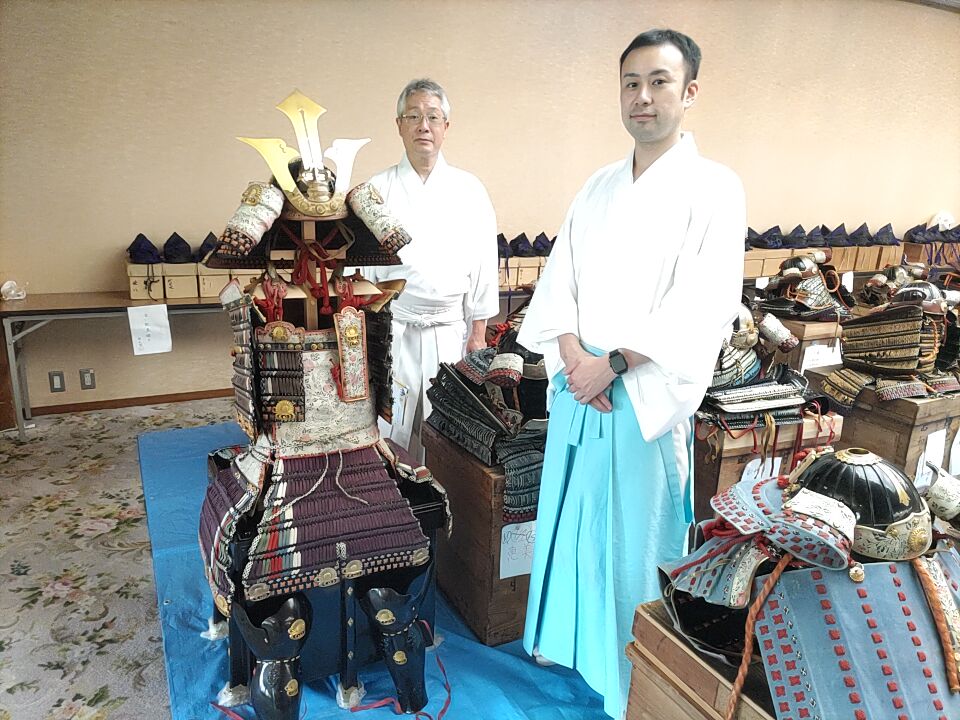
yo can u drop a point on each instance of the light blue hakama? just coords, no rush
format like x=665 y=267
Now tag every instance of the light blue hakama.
x=611 y=509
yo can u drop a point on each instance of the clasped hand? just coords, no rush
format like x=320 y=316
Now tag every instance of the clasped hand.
x=588 y=378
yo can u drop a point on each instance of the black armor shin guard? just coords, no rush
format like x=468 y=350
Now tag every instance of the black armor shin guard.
x=276 y=643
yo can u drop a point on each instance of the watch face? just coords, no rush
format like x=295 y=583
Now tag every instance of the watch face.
x=618 y=363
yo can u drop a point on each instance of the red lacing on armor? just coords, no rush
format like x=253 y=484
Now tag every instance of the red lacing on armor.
x=301 y=273
x=755 y=608
x=228 y=712
x=718 y=527
x=499 y=330
x=273 y=294
x=712 y=554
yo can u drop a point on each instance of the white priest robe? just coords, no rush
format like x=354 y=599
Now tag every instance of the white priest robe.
x=654 y=265
x=450 y=268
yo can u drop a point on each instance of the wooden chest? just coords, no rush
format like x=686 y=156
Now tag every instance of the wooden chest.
x=898 y=430
x=716 y=470
x=820 y=335
x=469 y=561
x=671 y=681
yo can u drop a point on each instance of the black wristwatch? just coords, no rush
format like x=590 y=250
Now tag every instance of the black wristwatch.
x=618 y=363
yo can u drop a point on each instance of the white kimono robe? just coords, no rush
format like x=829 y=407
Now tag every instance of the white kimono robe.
x=450 y=268
x=656 y=266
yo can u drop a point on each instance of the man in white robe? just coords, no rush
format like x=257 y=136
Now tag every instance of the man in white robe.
x=640 y=289
x=450 y=267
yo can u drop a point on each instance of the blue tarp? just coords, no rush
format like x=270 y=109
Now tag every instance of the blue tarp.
x=501 y=682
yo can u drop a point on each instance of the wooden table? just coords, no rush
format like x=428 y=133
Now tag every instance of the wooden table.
x=22 y=317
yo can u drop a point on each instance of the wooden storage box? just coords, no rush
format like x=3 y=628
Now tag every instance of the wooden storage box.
x=752 y=264
x=810 y=334
x=897 y=430
x=921 y=252
x=844 y=258
x=771 y=260
x=868 y=258
x=890 y=255
x=180 y=280
x=714 y=471
x=671 y=681
x=212 y=280
x=469 y=561
x=245 y=276
x=145 y=281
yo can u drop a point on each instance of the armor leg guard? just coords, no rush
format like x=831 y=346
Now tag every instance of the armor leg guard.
x=401 y=638
x=276 y=643
x=349 y=690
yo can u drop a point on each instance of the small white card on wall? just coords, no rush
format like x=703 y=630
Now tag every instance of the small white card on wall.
x=149 y=329
x=516 y=548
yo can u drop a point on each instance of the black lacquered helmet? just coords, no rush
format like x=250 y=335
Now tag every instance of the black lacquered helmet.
x=922 y=290
x=893 y=521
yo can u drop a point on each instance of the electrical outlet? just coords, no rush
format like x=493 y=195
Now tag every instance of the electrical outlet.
x=57 y=383
x=88 y=380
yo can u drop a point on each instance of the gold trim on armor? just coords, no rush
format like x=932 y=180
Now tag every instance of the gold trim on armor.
x=353 y=569
x=420 y=556
x=222 y=605
x=386 y=617
x=298 y=629
x=292 y=687
x=400 y=657
x=327 y=577
x=257 y=592
x=856 y=456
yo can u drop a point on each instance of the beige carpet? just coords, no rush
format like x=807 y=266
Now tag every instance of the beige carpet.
x=79 y=635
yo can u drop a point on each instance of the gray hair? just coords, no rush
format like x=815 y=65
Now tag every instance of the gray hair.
x=423 y=85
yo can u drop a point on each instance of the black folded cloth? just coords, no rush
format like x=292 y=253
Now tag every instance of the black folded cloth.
x=861 y=236
x=503 y=247
x=837 y=237
x=143 y=252
x=177 y=250
x=542 y=245
x=815 y=237
x=520 y=246
x=796 y=238
x=771 y=239
x=885 y=236
x=209 y=243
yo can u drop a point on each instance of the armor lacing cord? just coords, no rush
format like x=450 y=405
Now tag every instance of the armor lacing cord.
x=940 y=620
x=499 y=330
x=301 y=273
x=228 y=712
x=755 y=608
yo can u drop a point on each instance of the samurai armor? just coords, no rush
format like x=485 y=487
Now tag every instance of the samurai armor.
x=316 y=502
x=807 y=288
x=367 y=204
x=835 y=648
x=259 y=207
x=893 y=521
x=886 y=342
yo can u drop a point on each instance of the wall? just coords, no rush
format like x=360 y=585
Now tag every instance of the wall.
x=118 y=118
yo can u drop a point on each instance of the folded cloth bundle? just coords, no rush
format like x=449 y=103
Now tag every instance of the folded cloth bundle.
x=143 y=252
x=177 y=250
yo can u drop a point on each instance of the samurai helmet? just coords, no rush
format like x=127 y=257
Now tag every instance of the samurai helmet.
x=892 y=520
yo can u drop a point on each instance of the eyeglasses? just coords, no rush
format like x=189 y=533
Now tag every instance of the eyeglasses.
x=415 y=119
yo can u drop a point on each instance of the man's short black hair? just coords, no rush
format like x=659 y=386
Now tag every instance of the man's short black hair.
x=687 y=47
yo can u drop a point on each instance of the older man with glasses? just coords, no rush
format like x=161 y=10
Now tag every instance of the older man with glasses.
x=450 y=267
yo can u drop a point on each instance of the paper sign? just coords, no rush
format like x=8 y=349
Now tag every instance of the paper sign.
x=761 y=283
x=933 y=452
x=149 y=329
x=516 y=548
x=816 y=355
x=755 y=471
x=847 y=280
